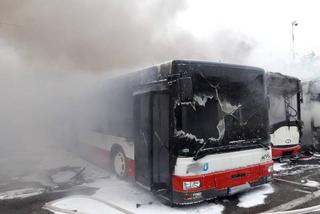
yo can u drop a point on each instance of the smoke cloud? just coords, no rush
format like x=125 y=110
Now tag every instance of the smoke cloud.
x=109 y=35
x=54 y=53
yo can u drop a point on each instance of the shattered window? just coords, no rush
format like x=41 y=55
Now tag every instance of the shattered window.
x=277 y=111
x=282 y=108
x=201 y=118
x=221 y=113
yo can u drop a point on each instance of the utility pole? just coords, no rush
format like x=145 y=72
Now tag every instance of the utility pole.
x=293 y=24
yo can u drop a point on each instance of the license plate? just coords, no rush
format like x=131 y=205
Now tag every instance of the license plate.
x=239 y=188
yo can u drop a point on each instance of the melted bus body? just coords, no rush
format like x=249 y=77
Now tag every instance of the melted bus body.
x=188 y=131
x=285 y=97
x=311 y=119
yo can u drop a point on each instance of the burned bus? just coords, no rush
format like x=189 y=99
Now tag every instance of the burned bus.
x=311 y=117
x=188 y=131
x=285 y=97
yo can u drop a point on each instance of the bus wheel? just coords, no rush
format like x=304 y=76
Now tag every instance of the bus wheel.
x=119 y=163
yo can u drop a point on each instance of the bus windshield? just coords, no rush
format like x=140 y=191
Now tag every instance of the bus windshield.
x=283 y=107
x=222 y=113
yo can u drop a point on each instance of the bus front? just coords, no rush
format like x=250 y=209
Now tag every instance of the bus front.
x=221 y=140
x=284 y=114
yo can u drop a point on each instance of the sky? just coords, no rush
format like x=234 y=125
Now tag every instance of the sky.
x=267 y=23
x=124 y=35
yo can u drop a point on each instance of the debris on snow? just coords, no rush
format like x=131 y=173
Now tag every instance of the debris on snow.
x=255 y=197
x=63 y=176
x=311 y=183
x=279 y=166
x=284 y=169
x=21 y=193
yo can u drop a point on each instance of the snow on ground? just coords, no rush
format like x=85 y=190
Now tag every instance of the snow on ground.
x=83 y=205
x=255 y=197
x=21 y=193
x=284 y=169
x=279 y=166
x=311 y=183
x=91 y=172
x=127 y=195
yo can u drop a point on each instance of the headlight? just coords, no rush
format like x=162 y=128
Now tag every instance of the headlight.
x=191 y=185
x=270 y=169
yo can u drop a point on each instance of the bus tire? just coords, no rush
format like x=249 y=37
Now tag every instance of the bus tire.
x=119 y=162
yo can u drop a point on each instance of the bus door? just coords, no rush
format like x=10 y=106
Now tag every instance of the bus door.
x=151 y=141
x=143 y=138
x=160 y=147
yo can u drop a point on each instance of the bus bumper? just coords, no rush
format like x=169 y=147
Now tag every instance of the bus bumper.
x=184 y=198
x=278 y=152
x=221 y=183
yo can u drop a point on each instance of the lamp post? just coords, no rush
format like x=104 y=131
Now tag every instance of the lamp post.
x=293 y=24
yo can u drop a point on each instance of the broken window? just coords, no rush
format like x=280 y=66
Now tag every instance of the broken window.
x=221 y=113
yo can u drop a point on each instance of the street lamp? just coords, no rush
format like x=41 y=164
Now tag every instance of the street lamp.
x=293 y=24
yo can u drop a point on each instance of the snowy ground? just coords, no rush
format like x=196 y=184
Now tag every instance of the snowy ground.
x=127 y=195
x=21 y=193
x=54 y=171
x=255 y=197
x=110 y=194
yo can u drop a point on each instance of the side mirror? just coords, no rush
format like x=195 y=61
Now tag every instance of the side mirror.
x=185 y=89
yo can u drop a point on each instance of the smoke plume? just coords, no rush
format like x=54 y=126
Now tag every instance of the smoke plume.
x=97 y=35
x=53 y=53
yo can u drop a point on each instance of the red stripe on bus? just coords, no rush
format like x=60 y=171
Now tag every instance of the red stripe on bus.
x=101 y=157
x=224 y=179
x=278 y=152
x=131 y=167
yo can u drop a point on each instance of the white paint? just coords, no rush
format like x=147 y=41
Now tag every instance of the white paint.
x=285 y=136
x=21 y=193
x=105 y=142
x=255 y=197
x=223 y=161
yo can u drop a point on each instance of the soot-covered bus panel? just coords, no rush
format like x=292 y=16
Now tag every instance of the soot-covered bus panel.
x=189 y=109
x=285 y=97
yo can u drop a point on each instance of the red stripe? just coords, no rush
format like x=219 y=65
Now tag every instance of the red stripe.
x=278 y=152
x=131 y=167
x=95 y=155
x=101 y=157
x=224 y=179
